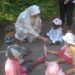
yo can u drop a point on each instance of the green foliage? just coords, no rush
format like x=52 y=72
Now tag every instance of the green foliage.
x=48 y=9
x=10 y=9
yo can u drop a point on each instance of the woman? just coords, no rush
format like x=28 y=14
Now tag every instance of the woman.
x=28 y=25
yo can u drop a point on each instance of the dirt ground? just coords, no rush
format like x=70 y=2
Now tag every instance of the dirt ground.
x=37 y=50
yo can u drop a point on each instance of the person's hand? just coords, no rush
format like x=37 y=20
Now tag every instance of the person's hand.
x=65 y=2
x=73 y=1
x=47 y=40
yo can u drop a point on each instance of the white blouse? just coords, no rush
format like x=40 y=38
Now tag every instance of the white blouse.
x=26 y=25
x=55 y=34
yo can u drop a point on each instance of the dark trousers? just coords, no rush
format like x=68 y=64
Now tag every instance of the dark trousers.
x=68 y=11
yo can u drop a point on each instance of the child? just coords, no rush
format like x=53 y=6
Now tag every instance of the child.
x=53 y=69
x=21 y=60
x=9 y=39
x=12 y=66
x=55 y=34
x=70 y=33
x=67 y=55
x=9 y=33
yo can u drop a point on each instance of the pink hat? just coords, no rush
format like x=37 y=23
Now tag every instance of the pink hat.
x=53 y=69
x=57 y=21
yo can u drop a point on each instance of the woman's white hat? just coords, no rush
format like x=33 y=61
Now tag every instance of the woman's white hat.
x=57 y=21
x=33 y=10
x=69 y=38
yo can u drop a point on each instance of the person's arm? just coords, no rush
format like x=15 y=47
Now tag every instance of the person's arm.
x=43 y=38
x=30 y=30
x=38 y=23
x=27 y=25
x=50 y=32
x=73 y=57
x=69 y=71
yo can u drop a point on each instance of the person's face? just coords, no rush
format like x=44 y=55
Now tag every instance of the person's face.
x=10 y=34
x=55 y=26
x=35 y=16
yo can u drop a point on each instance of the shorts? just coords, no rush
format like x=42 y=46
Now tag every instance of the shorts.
x=28 y=67
x=67 y=59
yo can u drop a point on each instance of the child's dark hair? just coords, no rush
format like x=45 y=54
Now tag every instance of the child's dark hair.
x=9 y=28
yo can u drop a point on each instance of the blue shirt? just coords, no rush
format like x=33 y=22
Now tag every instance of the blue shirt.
x=8 y=40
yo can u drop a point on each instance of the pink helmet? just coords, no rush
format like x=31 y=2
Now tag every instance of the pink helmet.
x=52 y=68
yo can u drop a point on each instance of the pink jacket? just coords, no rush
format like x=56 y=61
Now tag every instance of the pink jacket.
x=13 y=68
